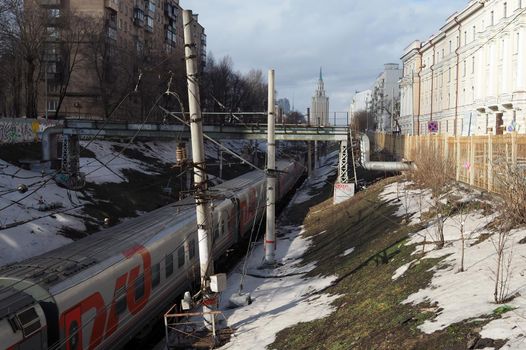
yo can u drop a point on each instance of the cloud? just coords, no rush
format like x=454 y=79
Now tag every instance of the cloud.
x=350 y=39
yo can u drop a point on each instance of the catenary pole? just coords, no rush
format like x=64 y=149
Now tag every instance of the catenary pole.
x=206 y=266
x=270 y=234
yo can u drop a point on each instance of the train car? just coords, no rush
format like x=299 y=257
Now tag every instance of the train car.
x=99 y=292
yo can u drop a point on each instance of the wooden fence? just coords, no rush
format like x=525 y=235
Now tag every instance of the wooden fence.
x=478 y=160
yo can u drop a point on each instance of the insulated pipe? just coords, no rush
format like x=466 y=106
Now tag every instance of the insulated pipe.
x=365 y=152
x=49 y=143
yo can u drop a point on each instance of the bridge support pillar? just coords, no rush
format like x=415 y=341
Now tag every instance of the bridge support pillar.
x=309 y=158
x=70 y=175
x=316 y=155
x=344 y=186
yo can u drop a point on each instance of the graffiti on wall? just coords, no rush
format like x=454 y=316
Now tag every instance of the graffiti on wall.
x=21 y=130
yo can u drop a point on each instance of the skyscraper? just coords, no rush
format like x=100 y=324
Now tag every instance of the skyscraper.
x=320 y=105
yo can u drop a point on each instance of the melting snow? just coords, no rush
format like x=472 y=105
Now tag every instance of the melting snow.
x=469 y=294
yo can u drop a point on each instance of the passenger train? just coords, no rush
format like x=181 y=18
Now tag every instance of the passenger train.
x=100 y=291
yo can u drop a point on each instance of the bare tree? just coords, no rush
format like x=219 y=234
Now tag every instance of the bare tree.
x=68 y=51
x=363 y=120
x=434 y=172
x=24 y=28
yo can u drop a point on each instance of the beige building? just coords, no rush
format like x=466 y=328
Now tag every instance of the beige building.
x=320 y=105
x=469 y=77
x=135 y=35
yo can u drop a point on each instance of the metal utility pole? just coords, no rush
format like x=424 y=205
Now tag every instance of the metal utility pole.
x=270 y=234
x=198 y=156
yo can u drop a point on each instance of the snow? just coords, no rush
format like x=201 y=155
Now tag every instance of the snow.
x=310 y=188
x=110 y=164
x=465 y=295
x=26 y=231
x=282 y=297
x=413 y=202
x=347 y=252
x=402 y=270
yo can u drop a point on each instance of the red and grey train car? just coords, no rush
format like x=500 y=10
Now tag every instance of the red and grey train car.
x=100 y=291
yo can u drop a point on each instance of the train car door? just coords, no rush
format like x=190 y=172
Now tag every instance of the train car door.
x=73 y=329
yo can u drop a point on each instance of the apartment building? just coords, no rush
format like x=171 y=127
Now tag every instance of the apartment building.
x=468 y=78
x=385 y=97
x=136 y=36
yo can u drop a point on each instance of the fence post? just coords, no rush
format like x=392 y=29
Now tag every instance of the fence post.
x=490 y=163
x=446 y=148
x=471 y=160
x=514 y=148
x=457 y=157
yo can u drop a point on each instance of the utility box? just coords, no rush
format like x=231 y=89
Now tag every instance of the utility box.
x=218 y=283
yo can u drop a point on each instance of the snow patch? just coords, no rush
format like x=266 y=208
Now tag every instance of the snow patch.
x=282 y=297
x=347 y=252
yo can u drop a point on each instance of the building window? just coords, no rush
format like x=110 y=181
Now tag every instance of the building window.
x=505 y=10
x=519 y=3
x=449 y=75
x=473 y=65
x=517 y=42
x=464 y=69
x=491 y=18
x=474 y=29
x=465 y=38
x=53 y=13
x=450 y=47
x=52 y=105
x=149 y=23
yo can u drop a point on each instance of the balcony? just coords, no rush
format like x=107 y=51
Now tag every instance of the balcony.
x=170 y=11
x=112 y=5
x=138 y=17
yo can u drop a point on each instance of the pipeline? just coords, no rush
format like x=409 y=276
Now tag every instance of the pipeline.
x=49 y=143
x=365 y=158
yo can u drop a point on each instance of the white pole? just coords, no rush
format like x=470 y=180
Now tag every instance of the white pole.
x=270 y=234
x=198 y=155
x=392 y=109
x=45 y=82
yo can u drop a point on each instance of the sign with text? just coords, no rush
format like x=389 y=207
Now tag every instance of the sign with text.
x=343 y=192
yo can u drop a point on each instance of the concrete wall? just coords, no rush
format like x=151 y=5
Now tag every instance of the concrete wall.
x=22 y=130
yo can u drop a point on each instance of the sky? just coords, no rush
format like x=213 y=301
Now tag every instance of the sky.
x=349 y=39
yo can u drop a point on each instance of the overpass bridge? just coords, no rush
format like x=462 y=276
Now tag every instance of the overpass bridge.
x=74 y=130
x=286 y=132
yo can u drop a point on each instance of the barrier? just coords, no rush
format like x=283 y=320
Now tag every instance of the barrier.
x=475 y=157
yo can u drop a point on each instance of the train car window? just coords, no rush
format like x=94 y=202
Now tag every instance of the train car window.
x=180 y=257
x=120 y=302
x=191 y=250
x=169 y=265
x=139 y=287
x=156 y=275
